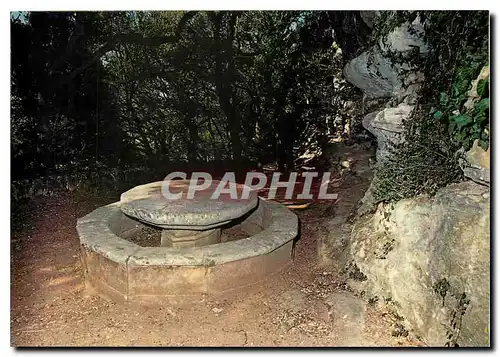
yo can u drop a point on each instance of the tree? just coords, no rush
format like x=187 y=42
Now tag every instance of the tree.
x=158 y=88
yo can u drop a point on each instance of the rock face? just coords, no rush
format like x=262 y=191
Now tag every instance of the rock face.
x=373 y=73
x=376 y=72
x=472 y=95
x=476 y=165
x=387 y=126
x=348 y=315
x=381 y=72
x=369 y=17
x=405 y=38
x=430 y=258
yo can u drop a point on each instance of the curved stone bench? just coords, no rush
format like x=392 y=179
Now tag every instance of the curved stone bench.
x=124 y=271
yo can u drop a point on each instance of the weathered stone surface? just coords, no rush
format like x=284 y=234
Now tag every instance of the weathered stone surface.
x=383 y=72
x=124 y=226
x=410 y=94
x=186 y=238
x=369 y=17
x=167 y=256
x=123 y=271
x=391 y=119
x=405 y=38
x=476 y=165
x=255 y=222
x=162 y=281
x=347 y=313
x=376 y=72
x=283 y=228
x=94 y=231
x=461 y=252
x=332 y=241
x=105 y=275
x=406 y=250
x=147 y=203
x=473 y=97
x=414 y=78
x=479 y=175
x=387 y=126
x=250 y=271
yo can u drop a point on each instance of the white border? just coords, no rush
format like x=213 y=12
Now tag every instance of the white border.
x=181 y=5
x=249 y=5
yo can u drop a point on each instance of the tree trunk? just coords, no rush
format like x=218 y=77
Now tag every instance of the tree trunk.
x=223 y=79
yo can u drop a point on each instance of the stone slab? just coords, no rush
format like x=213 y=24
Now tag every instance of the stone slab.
x=148 y=204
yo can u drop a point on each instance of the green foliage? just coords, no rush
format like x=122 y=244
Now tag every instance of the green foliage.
x=459 y=42
x=465 y=125
x=417 y=166
x=133 y=88
x=440 y=126
x=57 y=123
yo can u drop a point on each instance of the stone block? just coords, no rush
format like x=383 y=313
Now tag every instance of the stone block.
x=187 y=238
x=107 y=277
x=247 y=271
x=157 y=281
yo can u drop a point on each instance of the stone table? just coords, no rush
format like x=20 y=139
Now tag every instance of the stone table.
x=186 y=222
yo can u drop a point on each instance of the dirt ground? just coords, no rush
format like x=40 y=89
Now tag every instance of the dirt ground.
x=51 y=307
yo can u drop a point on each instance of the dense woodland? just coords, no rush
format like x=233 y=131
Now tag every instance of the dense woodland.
x=103 y=96
x=92 y=91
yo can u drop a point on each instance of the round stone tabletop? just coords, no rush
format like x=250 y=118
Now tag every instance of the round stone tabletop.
x=148 y=203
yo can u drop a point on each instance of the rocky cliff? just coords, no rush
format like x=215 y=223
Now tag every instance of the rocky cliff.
x=428 y=258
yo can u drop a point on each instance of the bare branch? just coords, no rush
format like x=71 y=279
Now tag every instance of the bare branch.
x=183 y=21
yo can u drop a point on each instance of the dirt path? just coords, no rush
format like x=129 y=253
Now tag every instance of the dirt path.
x=50 y=307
